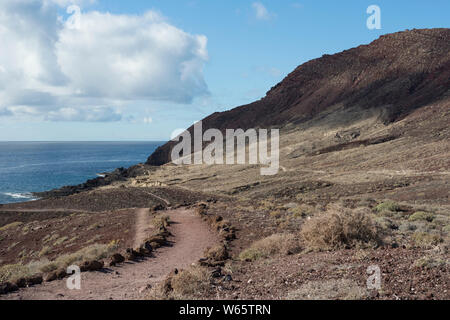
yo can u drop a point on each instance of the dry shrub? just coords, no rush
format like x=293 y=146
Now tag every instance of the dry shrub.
x=279 y=243
x=339 y=228
x=217 y=253
x=421 y=216
x=189 y=284
x=387 y=206
x=342 y=289
x=426 y=240
x=161 y=222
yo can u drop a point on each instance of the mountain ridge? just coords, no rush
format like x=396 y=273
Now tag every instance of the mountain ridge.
x=375 y=75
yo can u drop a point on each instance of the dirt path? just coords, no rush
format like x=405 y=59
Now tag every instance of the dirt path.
x=143 y=227
x=158 y=197
x=191 y=236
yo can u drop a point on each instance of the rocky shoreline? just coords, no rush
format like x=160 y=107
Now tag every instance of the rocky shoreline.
x=120 y=174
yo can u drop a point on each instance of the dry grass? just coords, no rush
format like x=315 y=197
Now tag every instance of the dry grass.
x=11 y=225
x=191 y=283
x=339 y=228
x=431 y=261
x=343 y=289
x=426 y=240
x=279 y=243
x=13 y=272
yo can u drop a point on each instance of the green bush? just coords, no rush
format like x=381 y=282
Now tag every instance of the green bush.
x=387 y=206
x=421 y=216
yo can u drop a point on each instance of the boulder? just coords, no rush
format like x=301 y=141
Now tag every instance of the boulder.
x=133 y=255
x=147 y=246
x=93 y=265
x=160 y=239
x=21 y=283
x=116 y=258
x=34 y=280
x=61 y=273
x=143 y=251
x=8 y=287
x=51 y=276
x=158 y=207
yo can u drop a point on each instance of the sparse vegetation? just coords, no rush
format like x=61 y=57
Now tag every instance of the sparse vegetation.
x=429 y=262
x=421 y=216
x=11 y=225
x=94 y=252
x=339 y=228
x=426 y=240
x=60 y=241
x=272 y=245
x=44 y=251
x=343 y=289
x=389 y=206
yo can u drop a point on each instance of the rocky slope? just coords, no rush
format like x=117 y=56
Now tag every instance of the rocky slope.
x=389 y=79
x=396 y=74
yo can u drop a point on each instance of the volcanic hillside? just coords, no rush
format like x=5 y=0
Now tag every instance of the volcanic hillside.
x=393 y=75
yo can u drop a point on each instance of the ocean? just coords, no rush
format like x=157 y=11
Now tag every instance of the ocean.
x=27 y=167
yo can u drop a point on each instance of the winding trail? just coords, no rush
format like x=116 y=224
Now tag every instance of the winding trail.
x=131 y=281
x=158 y=197
x=143 y=227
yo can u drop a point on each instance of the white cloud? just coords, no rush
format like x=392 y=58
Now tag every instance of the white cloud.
x=5 y=112
x=96 y=114
x=61 y=72
x=261 y=11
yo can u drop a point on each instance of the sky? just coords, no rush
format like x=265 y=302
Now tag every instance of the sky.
x=113 y=70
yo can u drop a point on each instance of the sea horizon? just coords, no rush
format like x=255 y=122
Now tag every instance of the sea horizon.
x=35 y=166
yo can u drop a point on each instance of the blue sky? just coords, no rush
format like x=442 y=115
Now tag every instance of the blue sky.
x=251 y=46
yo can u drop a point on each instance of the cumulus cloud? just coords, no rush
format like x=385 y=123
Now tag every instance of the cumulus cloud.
x=96 y=114
x=5 y=112
x=261 y=11
x=79 y=68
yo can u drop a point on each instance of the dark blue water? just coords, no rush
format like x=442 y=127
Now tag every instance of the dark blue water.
x=39 y=166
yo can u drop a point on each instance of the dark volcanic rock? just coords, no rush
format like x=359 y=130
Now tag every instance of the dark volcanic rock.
x=8 y=287
x=397 y=73
x=120 y=174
